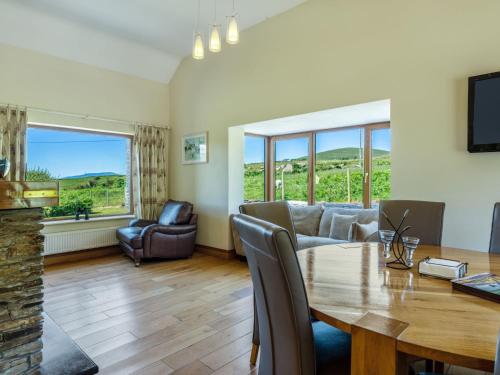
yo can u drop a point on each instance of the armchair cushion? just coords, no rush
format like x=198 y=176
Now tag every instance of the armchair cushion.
x=167 y=229
x=176 y=213
x=131 y=236
x=141 y=223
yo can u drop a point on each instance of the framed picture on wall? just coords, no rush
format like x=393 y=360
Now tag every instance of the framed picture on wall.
x=195 y=148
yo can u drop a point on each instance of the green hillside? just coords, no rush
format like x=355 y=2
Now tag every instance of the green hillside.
x=347 y=153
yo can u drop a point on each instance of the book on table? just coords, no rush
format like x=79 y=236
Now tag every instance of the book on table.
x=484 y=285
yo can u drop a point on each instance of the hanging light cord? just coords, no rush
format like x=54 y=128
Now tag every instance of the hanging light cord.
x=198 y=16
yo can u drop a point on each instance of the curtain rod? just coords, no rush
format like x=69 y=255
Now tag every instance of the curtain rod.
x=83 y=116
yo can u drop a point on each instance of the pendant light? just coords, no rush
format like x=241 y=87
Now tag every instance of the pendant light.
x=198 y=48
x=214 y=43
x=232 y=32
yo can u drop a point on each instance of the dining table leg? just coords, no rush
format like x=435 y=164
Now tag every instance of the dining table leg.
x=374 y=345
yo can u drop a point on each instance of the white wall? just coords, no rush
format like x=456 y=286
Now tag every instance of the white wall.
x=331 y=53
x=36 y=80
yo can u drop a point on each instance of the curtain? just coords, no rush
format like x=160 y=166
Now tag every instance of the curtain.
x=150 y=170
x=13 y=141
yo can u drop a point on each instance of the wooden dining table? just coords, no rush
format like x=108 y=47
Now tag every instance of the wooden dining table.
x=394 y=315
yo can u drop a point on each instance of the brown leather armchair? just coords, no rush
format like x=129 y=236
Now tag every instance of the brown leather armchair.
x=171 y=236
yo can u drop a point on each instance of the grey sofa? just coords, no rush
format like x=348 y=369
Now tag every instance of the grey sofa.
x=313 y=223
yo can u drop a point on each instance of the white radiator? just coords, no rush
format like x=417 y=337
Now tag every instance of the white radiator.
x=56 y=243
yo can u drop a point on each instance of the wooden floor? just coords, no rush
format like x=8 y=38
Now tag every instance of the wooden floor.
x=172 y=317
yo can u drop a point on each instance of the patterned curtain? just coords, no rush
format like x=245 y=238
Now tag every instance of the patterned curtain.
x=150 y=170
x=13 y=141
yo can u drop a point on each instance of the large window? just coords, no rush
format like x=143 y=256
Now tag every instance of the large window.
x=255 y=157
x=349 y=166
x=93 y=170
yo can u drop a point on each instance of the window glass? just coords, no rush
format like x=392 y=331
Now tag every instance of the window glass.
x=381 y=165
x=291 y=170
x=93 y=170
x=255 y=155
x=340 y=166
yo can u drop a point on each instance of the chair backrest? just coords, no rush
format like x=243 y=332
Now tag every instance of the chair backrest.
x=495 y=230
x=497 y=359
x=425 y=218
x=285 y=329
x=277 y=213
x=175 y=213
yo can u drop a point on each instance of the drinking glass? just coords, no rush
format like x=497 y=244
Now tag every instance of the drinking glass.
x=410 y=244
x=386 y=237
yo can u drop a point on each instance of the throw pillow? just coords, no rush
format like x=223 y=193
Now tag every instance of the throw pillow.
x=341 y=225
x=364 y=232
x=306 y=219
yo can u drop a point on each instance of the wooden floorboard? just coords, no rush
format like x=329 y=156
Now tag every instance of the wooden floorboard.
x=190 y=316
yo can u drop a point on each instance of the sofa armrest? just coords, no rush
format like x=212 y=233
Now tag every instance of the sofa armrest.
x=167 y=229
x=141 y=223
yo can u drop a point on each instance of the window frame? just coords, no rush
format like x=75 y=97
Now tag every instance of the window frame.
x=266 y=158
x=130 y=180
x=269 y=175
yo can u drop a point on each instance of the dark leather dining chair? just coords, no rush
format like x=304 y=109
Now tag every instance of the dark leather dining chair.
x=277 y=213
x=495 y=230
x=291 y=343
x=496 y=371
x=425 y=218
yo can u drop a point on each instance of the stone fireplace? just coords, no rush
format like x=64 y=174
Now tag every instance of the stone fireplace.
x=21 y=269
x=21 y=294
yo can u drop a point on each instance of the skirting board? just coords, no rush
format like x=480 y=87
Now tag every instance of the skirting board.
x=75 y=256
x=219 y=253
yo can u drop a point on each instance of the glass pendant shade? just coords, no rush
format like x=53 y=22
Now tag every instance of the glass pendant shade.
x=214 y=43
x=232 y=33
x=198 y=49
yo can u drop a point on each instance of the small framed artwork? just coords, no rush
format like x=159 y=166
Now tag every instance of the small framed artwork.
x=195 y=148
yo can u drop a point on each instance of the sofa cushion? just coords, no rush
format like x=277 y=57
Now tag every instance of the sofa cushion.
x=176 y=213
x=306 y=242
x=306 y=219
x=131 y=236
x=364 y=216
x=364 y=232
x=341 y=226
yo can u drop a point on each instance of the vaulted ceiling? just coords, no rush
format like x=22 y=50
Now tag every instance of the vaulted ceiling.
x=144 y=38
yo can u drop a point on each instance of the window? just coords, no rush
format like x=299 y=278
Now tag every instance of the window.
x=381 y=165
x=255 y=157
x=291 y=169
x=93 y=169
x=349 y=166
x=340 y=166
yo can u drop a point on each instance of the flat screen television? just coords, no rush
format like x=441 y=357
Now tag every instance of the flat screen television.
x=484 y=113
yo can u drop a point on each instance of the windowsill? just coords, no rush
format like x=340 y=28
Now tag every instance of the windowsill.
x=92 y=219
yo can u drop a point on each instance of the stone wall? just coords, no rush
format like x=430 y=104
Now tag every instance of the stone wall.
x=21 y=293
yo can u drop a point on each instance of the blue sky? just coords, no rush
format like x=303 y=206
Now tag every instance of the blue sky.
x=69 y=153
x=297 y=147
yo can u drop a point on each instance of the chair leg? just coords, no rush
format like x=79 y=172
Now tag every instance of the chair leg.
x=137 y=262
x=429 y=365
x=254 y=354
x=439 y=367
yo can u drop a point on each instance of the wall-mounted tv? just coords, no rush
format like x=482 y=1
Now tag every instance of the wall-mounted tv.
x=484 y=113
